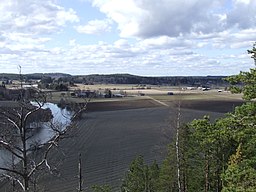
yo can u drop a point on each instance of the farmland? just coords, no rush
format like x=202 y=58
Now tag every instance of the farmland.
x=113 y=132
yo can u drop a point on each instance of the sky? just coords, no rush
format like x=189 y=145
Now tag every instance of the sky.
x=139 y=37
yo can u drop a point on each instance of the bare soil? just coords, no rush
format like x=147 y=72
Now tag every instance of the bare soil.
x=220 y=106
x=122 y=105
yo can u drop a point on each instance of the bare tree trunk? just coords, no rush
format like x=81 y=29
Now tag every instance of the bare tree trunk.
x=177 y=145
x=24 y=152
x=13 y=167
x=34 y=182
x=80 y=188
x=207 y=169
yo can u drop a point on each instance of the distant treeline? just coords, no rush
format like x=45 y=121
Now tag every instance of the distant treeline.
x=123 y=79
x=132 y=79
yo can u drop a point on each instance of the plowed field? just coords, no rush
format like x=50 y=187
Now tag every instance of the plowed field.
x=111 y=134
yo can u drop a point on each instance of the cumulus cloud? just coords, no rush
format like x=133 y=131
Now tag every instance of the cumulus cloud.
x=145 y=18
x=34 y=16
x=140 y=57
x=242 y=15
x=95 y=27
x=125 y=13
x=165 y=42
x=26 y=26
x=173 y=18
x=122 y=56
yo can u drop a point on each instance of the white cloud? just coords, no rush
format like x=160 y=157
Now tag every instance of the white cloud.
x=243 y=14
x=123 y=56
x=34 y=16
x=121 y=43
x=125 y=13
x=243 y=1
x=143 y=18
x=149 y=18
x=165 y=42
x=95 y=27
x=26 y=27
x=163 y=37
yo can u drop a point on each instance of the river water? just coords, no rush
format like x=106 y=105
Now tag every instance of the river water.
x=61 y=119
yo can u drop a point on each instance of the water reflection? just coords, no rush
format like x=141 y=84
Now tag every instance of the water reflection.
x=43 y=130
x=61 y=118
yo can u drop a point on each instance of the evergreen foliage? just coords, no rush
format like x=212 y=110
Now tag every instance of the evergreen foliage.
x=101 y=188
x=141 y=177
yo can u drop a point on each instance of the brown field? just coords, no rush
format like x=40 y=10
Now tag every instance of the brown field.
x=111 y=134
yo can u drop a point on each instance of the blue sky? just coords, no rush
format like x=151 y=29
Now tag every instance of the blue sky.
x=141 y=37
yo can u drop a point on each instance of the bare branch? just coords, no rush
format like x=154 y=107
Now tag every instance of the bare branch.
x=31 y=112
x=11 y=149
x=10 y=119
x=44 y=159
x=82 y=109
x=15 y=179
x=11 y=170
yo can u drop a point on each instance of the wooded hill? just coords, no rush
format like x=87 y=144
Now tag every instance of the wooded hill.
x=123 y=79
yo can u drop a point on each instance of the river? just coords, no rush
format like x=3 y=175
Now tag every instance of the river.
x=61 y=119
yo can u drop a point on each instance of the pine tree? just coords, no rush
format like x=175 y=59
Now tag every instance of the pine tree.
x=141 y=177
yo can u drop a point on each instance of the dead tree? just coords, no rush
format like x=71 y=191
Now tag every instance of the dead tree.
x=14 y=138
x=15 y=123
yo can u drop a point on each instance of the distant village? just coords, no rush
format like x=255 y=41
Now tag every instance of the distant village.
x=14 y=89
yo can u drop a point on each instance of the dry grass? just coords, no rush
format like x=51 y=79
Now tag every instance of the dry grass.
x=103 y=86
x=156 y=92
